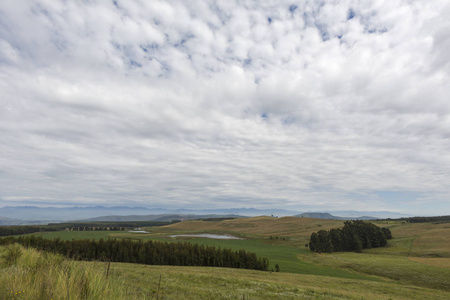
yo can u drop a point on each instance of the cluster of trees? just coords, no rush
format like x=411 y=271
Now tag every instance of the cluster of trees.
x=148 y=252
x=102 y=228
x=279 y=238
x=16 y=230
x=355 y=236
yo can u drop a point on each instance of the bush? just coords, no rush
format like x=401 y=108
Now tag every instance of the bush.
x=12 y=254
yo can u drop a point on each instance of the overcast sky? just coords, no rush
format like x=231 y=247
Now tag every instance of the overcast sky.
x=306 y=105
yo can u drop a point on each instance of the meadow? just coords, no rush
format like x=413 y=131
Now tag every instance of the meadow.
x=414 y=266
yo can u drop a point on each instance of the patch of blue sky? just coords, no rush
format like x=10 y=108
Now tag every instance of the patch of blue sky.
x=323 y=31
x=371 y=27
x=183 y=40
x=293 y=8
x=375 y=30
x=221 y=14
x=311 y=21
x=351 y=14
x=134 y=63
x=150 y=48
x=129 y=56
x=247 y=62
x=165 y=69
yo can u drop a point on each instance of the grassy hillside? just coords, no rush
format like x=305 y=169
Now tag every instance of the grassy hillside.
x=298 y=230
x=35 y=275
x=427 y=239
x=414 y=266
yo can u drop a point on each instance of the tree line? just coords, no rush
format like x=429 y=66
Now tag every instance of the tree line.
x=17 y=230
x=75 y=226
x=354 y=236
x=438 y=219
x=104 y=224
x=144 y=252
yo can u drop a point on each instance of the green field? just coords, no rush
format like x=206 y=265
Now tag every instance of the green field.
x=414 y=266
x=283 y=255
x=46 y=276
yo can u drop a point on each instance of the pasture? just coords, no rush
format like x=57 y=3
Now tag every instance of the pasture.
x=417 y=258
x=36 y=275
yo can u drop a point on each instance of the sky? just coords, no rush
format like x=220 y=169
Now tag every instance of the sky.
x=302 y=105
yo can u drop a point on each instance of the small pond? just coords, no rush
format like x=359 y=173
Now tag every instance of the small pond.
x=138 y=231
x=209 y=236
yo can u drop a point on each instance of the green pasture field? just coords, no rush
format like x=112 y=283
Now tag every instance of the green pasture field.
x=221 y=283
x=29 y=274
x=416 y=256
x=283 y=255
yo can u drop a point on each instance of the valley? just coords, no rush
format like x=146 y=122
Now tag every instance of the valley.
x=415 y=265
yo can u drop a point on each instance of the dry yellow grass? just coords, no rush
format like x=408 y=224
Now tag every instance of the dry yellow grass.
x=435 y=262
x=220 y=283
x=430 y=240
x=299 y=229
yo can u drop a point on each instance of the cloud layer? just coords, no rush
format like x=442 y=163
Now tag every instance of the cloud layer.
x=311 y=105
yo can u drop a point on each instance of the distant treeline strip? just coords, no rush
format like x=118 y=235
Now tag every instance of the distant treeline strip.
x=144 y=252
x=85 y=226
x=355 y=236
x=17 y=230
x=127 y=224
x=438 y=219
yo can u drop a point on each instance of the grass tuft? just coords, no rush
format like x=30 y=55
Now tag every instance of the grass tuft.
x=30 y=274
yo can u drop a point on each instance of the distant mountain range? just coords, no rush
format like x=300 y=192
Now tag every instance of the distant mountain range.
x=375 y=214
x=159 y=218
x=60 y=214
x=8 y=222
x=318 y=215
x=24 y=215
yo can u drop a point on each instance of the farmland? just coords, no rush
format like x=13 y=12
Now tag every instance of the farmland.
x=415 y=265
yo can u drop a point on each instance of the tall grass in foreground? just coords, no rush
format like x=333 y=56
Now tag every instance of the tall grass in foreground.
x=39 y=275
x=30 y=274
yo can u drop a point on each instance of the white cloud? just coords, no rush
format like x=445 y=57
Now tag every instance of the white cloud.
x=225 y=104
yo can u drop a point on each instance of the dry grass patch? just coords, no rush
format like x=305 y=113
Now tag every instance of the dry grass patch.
x=435 y=262
x=430 y=239
x=220 y=283
x=397 y=268
x=261 y=226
